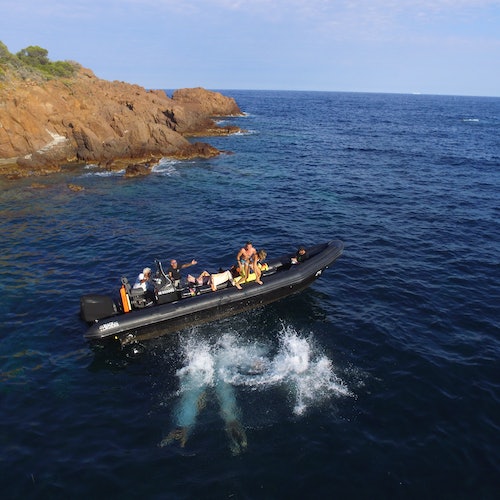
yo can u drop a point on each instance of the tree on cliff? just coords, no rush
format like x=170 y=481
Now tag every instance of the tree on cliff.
x=34 y=60
x=34 y=56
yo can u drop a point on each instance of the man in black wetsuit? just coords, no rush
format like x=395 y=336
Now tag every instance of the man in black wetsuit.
x=174 y=271
x=300 y=256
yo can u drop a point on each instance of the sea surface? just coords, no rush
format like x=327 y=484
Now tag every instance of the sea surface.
x=382 y=380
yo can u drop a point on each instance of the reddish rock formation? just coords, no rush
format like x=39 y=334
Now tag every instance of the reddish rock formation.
x=47 y=124
x=138 y=169
x=207 y=103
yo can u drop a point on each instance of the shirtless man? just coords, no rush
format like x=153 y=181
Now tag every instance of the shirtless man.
x=245 y=259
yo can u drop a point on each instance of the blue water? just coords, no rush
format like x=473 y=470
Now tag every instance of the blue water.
x=380 y=381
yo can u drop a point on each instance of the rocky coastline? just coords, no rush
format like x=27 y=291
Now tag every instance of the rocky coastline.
x=48 y=124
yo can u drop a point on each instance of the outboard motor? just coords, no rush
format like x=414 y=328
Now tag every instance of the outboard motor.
x=95 y=307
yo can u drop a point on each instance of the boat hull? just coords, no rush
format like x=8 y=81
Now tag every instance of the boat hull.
x=162 y=319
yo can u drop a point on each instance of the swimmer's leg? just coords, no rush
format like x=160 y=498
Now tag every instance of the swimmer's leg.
x=230 y=413
x=237 y=437
x=191 y=404
x=179 y=434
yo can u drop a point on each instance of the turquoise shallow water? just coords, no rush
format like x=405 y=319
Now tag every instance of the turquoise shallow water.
x=379 y=381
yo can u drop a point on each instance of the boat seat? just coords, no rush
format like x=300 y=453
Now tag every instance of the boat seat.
x=272 y=267
x=138 y=298
x=132 y=291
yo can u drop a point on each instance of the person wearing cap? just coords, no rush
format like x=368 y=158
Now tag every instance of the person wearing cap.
x=143 y=279
x=174 y=271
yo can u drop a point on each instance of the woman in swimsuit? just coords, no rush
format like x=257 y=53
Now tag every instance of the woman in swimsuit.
x=257 y=262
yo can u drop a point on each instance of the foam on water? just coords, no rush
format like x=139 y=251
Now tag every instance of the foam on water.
x=196 y=374
x=308 y=373
x=104 y=173
x=296 y=365
x=199 y=366
x=166 y=167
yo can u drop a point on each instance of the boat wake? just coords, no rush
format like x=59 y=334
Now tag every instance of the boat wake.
x=230 y=364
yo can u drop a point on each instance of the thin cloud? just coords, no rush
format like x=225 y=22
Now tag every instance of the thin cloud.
x=264 y=43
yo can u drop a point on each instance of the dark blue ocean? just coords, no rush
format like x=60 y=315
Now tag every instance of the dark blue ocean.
x=380 y=381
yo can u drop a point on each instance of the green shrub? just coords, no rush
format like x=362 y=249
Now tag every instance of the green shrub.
x=34 y=56
x=34 y=59
x=61 y=69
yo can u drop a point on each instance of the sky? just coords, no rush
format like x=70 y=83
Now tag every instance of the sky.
x=449 y=47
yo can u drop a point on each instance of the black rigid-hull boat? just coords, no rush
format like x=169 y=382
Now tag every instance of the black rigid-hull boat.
x=174 y=309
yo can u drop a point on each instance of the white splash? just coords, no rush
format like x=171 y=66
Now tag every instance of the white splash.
x=307 y=373
x=297 y=366
x=166 y=167
x=199 y=366
x=103 y=173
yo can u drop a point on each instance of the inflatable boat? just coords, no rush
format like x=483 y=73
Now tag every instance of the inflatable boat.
x=139 y=315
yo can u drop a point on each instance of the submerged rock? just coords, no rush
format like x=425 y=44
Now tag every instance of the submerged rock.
x=137 y=170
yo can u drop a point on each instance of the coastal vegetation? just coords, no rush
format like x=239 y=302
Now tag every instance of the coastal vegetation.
x=33 y=63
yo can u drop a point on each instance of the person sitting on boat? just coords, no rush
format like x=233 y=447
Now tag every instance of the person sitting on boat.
x=202 y=279
x=215 y=279
x=143 y=280
x=174 y=271
x=220 y=278
x=258 y=264
x=300 y=256
x=245 y=259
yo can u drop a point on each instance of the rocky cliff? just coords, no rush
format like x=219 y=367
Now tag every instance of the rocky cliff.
x=45 y=124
